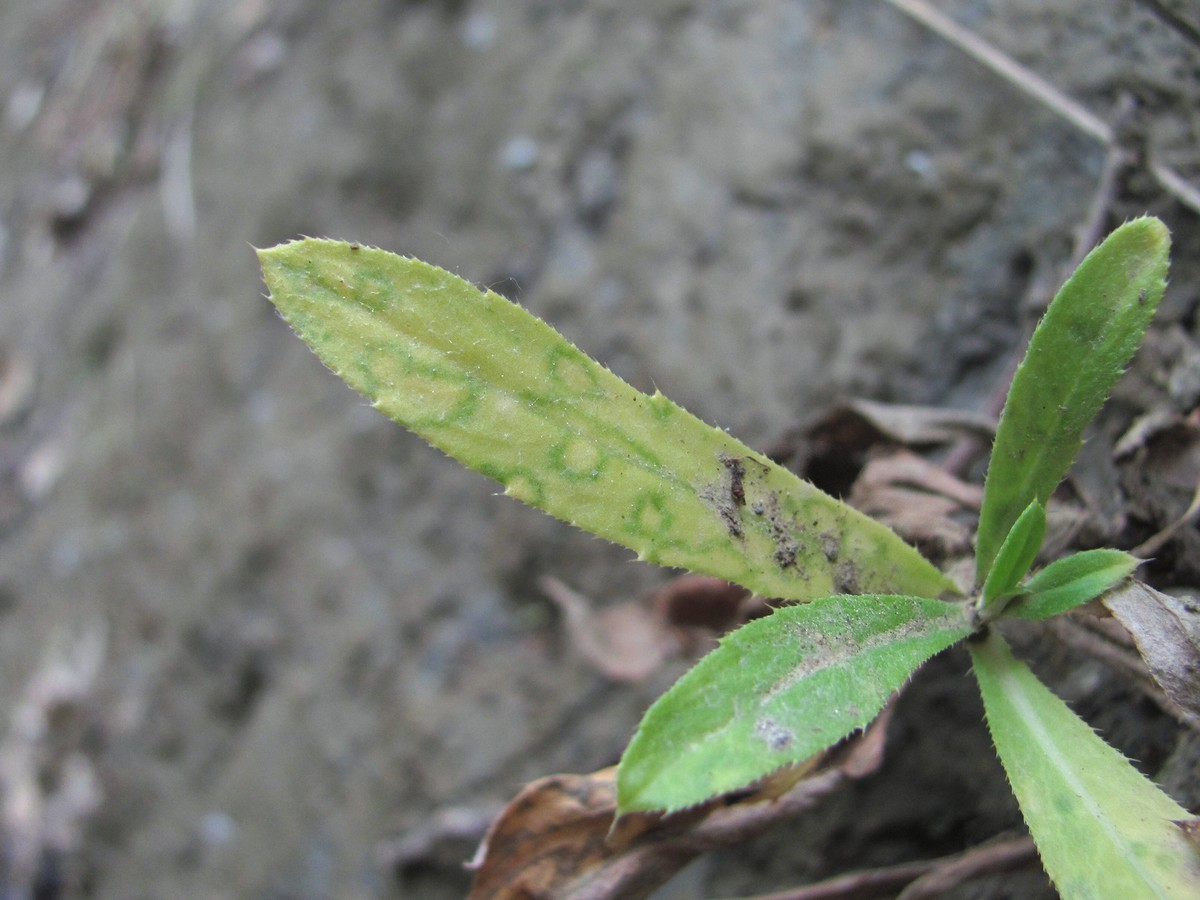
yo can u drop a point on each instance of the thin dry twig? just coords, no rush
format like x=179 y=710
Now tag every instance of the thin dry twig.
x=1175 y=185
x=1186 y=29
x=949 y=873
x=447 y=827
x=1078 y=634
x=1039 y=89
x=1152 y=545
x=855 y=886
x=1116 y=161
x=919 y=880
x=1075 y=632
x=1007 y=68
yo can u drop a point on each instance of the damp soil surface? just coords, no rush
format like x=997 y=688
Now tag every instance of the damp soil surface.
x=257 y=641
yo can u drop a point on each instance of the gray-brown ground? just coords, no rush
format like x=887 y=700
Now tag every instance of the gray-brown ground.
x=267 y=636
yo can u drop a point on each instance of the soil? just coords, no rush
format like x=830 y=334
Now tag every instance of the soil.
x=257 y=641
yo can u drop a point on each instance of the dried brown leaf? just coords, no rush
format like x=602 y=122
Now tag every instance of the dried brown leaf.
x=626 y=642
x=922 y=502
x=558 y=839
x=920 y=425
x=832 y=448
x=1166 y=630
x=630 y=641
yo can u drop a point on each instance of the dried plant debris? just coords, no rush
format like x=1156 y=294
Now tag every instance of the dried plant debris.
x=919 y=500
x=911 y=425
x=437 y=840
x=832 y=449
x=49 y=788
x=557 y=838
x=1191 y=828
x=631 y=640
x=624 y=642
x=1166 y=630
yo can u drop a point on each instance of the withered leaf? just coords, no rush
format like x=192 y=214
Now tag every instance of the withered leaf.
x=857 y=425
x=1191 y=828
x=630 y=641
x=557 y=840
x=917 y=425
x=921 y=501
x=1166 y=630
x=625 y=642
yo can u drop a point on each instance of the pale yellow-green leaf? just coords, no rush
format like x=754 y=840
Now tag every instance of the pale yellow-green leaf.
x=505 y=394
x=1103 y=830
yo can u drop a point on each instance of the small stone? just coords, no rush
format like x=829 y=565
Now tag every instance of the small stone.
x=919 y=162
x=16 y=386
x=479 y=31
x=520 y=154
x=217 y=829
x=69 y=199
x=24 y=103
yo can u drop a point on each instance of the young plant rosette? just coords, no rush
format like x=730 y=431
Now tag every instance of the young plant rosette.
x=502 y=392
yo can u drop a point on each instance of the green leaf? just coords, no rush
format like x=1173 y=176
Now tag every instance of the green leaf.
x=778 y=690
x=1070 y=582
x=505 y=394
x=1102 y=828
x=1079 y=350
x=1015 y=556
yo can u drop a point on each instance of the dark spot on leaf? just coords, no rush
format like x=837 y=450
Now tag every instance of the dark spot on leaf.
x=737 y=472
x=785 y=553
x=845 y=580
x=830 y=546
x=776 y=736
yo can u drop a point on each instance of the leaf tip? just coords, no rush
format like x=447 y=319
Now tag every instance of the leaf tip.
x=1153 y=229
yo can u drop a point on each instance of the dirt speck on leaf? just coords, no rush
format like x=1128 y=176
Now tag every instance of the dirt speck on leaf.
x=846 y=577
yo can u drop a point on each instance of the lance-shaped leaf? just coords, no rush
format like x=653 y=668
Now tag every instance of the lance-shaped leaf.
x=1015 y=556
x=778 y=690
x=1076 y=355
x=504 y=393
x=1070 y=582
x=1101 y=827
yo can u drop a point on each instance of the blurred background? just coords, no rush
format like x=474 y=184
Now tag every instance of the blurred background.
x=257 y=641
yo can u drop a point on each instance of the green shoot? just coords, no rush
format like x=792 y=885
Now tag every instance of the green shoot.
x=1076 y=355
x=505 y=394
x=1014 y=558
x=1070 y=582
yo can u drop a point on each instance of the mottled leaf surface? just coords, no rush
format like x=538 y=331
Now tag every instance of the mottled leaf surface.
x=1102 y=828
x=778 y=690
x=1079 y=350
x=505 y=394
